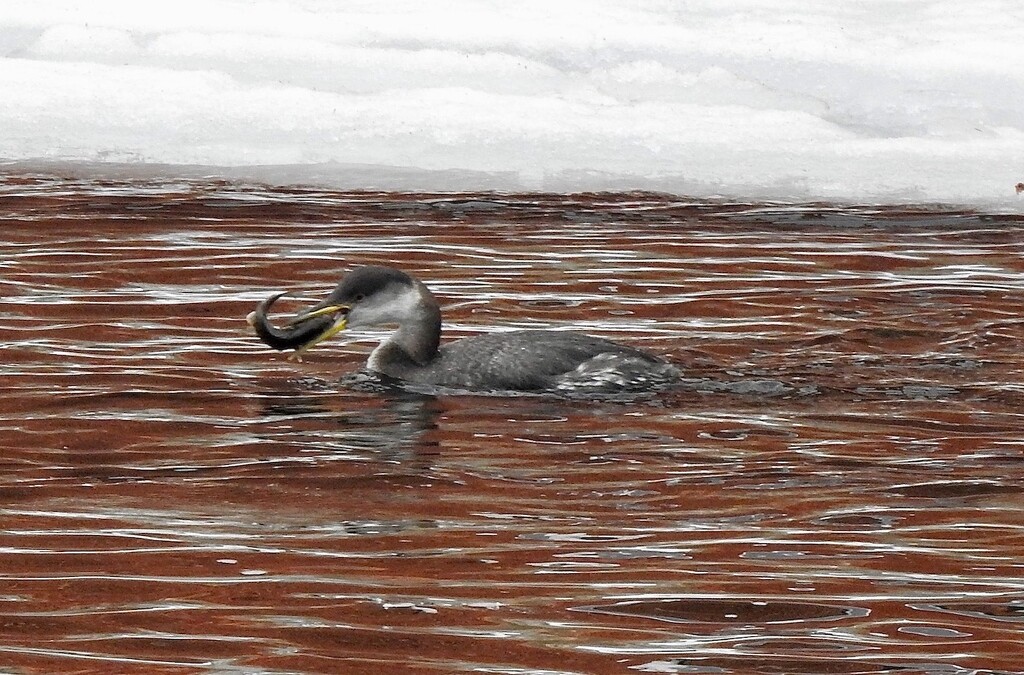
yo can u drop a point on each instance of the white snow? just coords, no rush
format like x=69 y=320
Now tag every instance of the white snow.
x=864 y=100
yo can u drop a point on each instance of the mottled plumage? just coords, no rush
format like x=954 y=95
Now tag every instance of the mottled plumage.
x=529 y=360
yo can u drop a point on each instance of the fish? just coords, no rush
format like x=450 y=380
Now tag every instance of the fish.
x=299 y=334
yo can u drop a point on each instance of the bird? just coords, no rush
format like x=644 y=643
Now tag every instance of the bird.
x=507 y=361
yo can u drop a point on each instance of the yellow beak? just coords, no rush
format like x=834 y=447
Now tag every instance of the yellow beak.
x=339 y=325
x=323 y=311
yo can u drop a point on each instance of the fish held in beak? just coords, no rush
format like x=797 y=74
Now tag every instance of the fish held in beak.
x=301 y=333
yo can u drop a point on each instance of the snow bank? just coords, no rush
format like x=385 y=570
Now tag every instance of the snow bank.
x=866 y=101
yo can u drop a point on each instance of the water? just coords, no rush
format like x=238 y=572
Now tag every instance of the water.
x=837 y=487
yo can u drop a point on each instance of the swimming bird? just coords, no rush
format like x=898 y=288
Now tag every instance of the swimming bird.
x=514 y=361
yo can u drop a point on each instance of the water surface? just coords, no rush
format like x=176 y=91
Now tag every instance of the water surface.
x=838 y=487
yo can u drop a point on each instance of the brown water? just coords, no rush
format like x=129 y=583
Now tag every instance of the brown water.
x=838 y=487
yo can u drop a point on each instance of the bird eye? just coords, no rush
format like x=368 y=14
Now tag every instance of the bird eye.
x=359 y=297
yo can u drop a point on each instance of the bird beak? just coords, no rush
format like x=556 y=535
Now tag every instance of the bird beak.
x=320 y=311
x=339 y=325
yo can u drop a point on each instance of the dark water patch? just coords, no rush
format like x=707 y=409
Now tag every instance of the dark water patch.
x=954 y=490
x=858 y=520
x=1011 y=610
x=713 y=611
x=771 y=664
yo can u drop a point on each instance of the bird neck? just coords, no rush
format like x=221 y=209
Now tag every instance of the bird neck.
x=419 y=333
x=420 y=338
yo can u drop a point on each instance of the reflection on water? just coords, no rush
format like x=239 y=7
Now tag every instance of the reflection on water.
x=835 y=487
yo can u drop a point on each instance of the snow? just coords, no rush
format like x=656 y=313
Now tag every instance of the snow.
x=870 y=101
